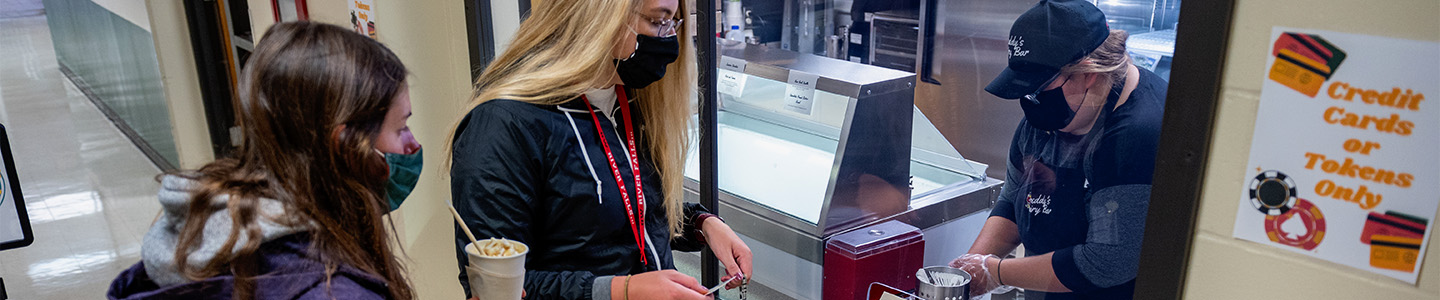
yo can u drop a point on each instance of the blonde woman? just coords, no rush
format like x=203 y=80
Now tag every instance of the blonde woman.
x=575 y=144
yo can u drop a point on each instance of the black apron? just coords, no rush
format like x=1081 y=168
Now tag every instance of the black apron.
x=1053 y=211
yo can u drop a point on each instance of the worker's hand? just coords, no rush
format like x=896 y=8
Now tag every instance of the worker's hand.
x=981 y=280
x=731 y=251
x=663 y=284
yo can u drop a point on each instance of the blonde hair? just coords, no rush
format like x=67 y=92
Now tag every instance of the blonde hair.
x=1110 y=58
x=560 y=51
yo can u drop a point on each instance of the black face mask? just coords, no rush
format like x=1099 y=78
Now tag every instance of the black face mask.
x=647 y=64
x=1047 y=110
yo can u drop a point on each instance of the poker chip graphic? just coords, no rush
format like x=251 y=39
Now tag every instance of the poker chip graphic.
x=1308 y=215
x=1272 y=193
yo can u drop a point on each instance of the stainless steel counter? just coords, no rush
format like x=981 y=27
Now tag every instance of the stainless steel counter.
x=926 y=211
x=860 y=154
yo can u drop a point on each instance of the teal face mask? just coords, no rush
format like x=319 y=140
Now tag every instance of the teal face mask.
x=404 y=174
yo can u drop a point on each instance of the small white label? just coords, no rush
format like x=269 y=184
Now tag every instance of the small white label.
x=856 y=38
x=731 y=83
x=800 y=92
x=732 y=64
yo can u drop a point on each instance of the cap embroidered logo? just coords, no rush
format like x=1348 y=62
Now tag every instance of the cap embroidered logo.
x=1016 y=42
x=1062 y=31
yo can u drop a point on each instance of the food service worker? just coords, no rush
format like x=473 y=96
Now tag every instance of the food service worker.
x=1078 y=177
x=575 y=145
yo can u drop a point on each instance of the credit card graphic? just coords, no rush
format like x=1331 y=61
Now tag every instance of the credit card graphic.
x=1337 y=56
x=1304 y=62
x=1394 y=253
x=1293 y=42
x=1293 y=74
x=1378 y=224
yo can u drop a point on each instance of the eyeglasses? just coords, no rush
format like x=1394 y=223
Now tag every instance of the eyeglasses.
x=1032 y=97
x=664 y=28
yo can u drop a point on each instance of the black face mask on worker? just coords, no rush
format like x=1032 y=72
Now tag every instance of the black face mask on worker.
x=647 y=64
x=1047 y=110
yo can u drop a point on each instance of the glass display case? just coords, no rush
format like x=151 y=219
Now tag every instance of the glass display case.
x=810 y=147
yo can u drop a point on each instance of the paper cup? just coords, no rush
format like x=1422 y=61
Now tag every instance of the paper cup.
x=496 y=277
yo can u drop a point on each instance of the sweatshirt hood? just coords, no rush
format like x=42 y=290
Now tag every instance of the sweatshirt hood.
x=158 y=248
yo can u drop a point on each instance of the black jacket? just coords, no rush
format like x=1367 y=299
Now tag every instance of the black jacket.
x=519 y=172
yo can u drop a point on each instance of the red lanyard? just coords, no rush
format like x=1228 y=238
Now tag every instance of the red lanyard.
x=637 y=229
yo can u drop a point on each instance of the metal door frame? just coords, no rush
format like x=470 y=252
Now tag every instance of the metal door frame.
x=1185 y=139
x=208 y=42
x=480 y=33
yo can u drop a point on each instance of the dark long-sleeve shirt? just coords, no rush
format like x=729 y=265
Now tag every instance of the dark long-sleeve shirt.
x=539 y=175
x=1087 y=206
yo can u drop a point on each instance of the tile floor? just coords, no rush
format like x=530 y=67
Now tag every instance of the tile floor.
x=89 y=191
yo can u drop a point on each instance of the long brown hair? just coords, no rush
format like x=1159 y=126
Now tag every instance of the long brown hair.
x=564 y=45
x=312 y=100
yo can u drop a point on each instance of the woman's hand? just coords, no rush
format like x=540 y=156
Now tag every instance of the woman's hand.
x=980 y=266
x=730 y=249
x=663 y=284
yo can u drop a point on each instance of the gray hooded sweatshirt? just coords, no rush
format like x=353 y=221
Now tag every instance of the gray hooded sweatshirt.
x=158 y=248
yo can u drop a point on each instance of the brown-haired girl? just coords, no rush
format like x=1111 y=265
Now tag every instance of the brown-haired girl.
x=296 y=213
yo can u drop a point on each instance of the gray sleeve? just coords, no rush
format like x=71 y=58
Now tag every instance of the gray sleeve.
x=1004 y=205
x=601 y=288
x=1110 y=255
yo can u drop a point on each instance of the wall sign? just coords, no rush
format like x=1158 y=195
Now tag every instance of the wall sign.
x=1343 y=164
x=362 y=16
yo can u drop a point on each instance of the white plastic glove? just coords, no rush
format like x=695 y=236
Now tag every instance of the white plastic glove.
x=982 y=281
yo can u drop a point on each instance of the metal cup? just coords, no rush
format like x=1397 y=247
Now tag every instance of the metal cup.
x=942 y=283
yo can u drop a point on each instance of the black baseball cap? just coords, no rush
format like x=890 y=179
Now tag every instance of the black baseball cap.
x=1045 y=38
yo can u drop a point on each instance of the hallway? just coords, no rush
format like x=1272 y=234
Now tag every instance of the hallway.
x=89 y=191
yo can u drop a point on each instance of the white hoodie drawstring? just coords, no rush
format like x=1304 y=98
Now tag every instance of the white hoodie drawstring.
x=624 y=149
x=581 y=142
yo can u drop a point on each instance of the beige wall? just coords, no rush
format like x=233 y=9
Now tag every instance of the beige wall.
x=131 y=10
x=429 y=37
x=168 y=25
x=338 y=12
x=262 y=15
x=1222 y=267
